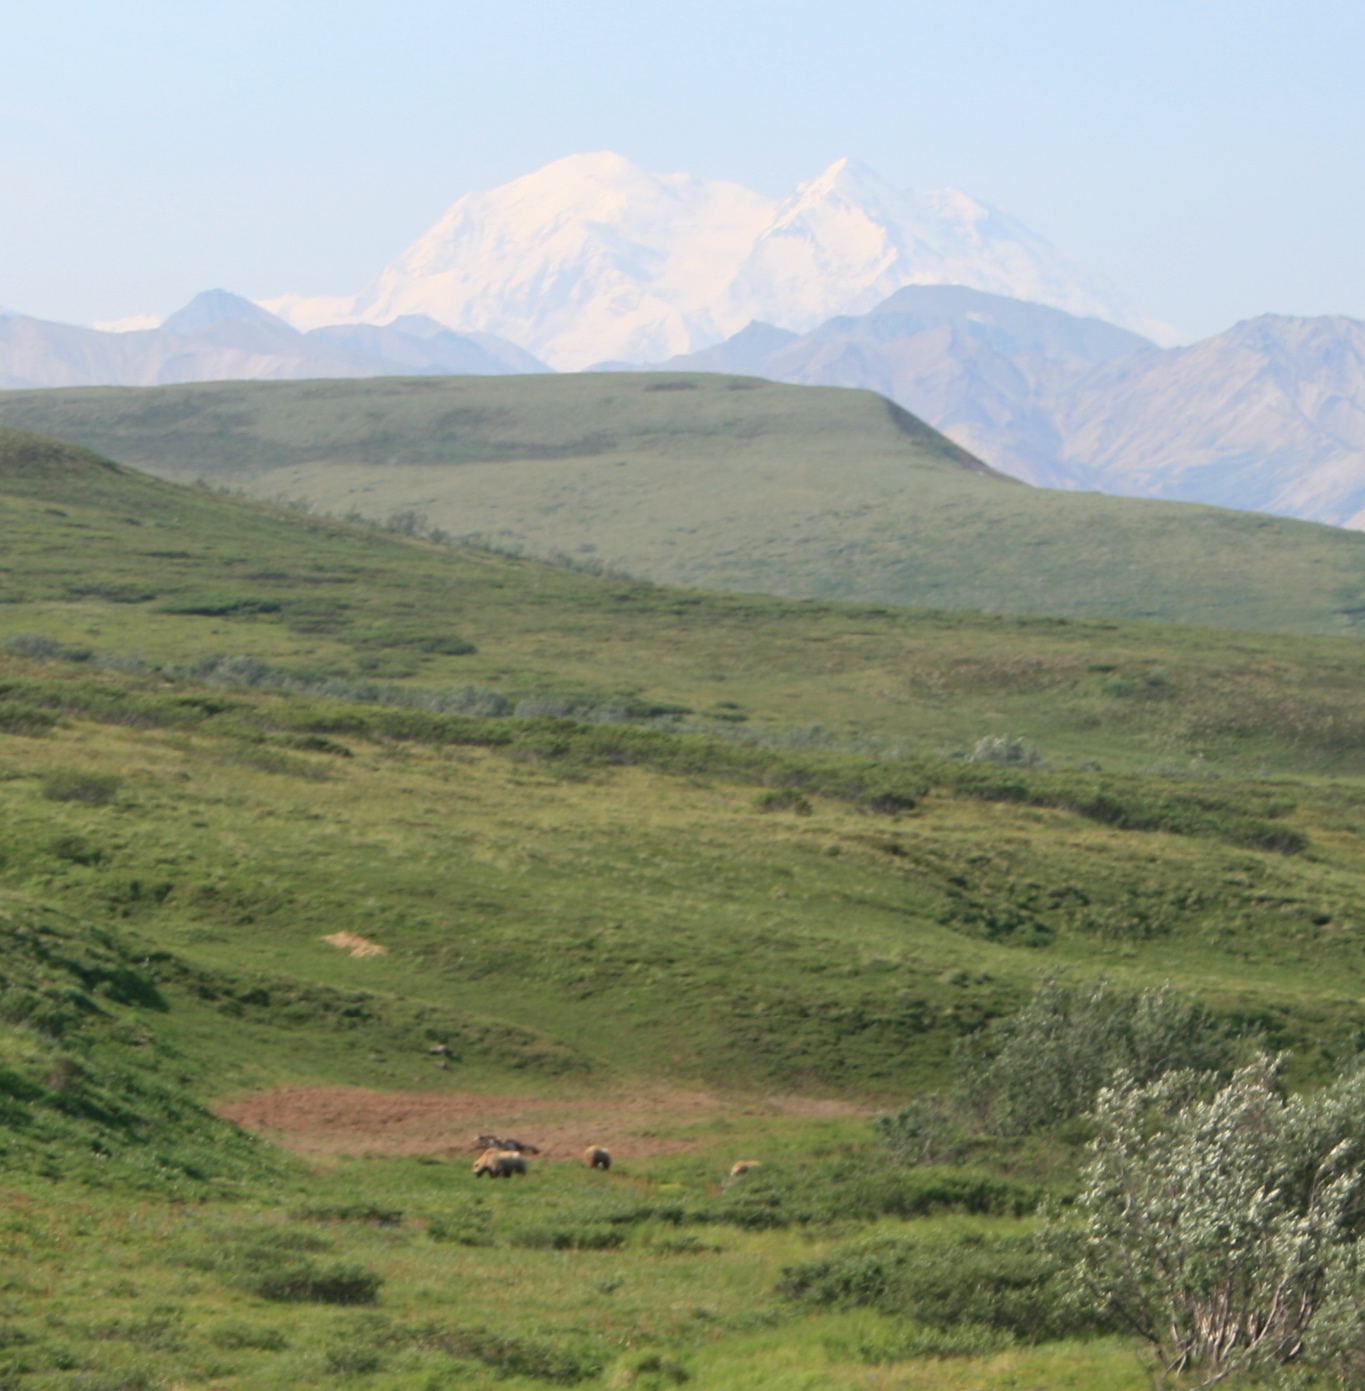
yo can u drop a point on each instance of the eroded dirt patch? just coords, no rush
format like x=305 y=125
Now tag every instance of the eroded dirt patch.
x=354 y=1120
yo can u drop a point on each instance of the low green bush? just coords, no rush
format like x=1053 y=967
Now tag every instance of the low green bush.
x=906 y=1342
x=966 y=1280
x=570 y=1238
x=473 y=1229
x=1046 y=1064
x=76 y=850
x=69 y=785
x=350 y=1361
x=254 y=1336
x=1238 y=816
x=307 y=1282
x=369 y=1213
x=17 y=718
x=563 y=1362
x=783 y=799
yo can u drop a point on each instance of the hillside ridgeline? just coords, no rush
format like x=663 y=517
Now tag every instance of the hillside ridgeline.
x=720 y=482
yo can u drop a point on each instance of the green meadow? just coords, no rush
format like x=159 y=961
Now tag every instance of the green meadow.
x=705 y=876
x=719 y=482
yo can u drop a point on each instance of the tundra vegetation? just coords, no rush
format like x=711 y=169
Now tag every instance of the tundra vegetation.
x=228 y=732
x=706 y=479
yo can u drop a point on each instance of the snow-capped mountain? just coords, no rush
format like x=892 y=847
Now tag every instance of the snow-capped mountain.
x=592 y=258
x=844 y=242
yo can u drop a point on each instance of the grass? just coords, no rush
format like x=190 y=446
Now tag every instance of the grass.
x=736 y=484
x=710 y=912
x=140 y=1290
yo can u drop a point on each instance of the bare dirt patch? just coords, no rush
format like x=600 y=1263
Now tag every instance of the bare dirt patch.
x=354 y=1120
x=358 y=946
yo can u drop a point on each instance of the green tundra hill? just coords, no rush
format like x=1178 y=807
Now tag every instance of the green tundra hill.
x=719 y=482
x=289 y=803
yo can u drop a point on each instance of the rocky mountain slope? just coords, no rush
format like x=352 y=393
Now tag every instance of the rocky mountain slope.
x=1269 y=415
x=592 y=259
x=220 y=336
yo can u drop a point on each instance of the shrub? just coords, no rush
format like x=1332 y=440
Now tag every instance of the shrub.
x=16 y=718
x=76 y=850
x=67 y=785
x=919 y=1132
x=307 y=1282
x=1004 y=748
x=1011 y=1285
x=45 y=649
x=647 y=1371
x=350 y=1361
x=510 y=1356
x=259 y=1337
x=783 y=799
x=470 y=1231
x=369 y=1213
x=905 y=1342
x=1046 y=1064
x=1221 y=1220
x=569 y=1238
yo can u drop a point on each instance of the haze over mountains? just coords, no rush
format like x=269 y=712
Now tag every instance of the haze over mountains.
x=592 y=259
x=1269 y=416
x=220 y=336
x=950 y=308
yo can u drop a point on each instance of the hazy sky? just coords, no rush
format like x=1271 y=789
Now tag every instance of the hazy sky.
x=1207 y=157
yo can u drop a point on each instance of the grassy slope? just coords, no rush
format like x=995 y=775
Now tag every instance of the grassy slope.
x=570 y=915
x=805 y=491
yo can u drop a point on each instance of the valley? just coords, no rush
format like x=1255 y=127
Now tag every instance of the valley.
x=709 y=876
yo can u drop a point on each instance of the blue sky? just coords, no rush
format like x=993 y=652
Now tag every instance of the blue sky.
x=1208 y=157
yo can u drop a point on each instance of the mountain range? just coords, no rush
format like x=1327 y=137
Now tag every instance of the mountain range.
x=948 y=307
x=592 y=259
x=1268 y=416
x=219 y=336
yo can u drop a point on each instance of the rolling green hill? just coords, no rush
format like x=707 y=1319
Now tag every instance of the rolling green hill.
x=720 y=482
x=722 y=864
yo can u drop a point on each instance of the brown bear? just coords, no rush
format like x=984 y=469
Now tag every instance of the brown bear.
x=499 y=1164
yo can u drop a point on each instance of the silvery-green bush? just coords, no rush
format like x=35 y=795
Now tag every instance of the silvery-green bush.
x=1046 y=1064
x=1222 y=1223
x=1004 y=748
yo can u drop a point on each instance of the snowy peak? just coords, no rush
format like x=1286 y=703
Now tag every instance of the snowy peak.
x=848 y=239
x=587 y=258
x=593 y=258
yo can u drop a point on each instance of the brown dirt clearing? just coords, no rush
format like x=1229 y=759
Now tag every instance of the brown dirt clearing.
x=353 y=1120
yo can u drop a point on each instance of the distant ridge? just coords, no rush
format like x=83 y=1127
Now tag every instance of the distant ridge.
x=219 y=336
x=1269 y=415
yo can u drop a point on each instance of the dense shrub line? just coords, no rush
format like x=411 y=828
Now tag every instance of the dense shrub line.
x=1238 y=817
x=572 y=732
